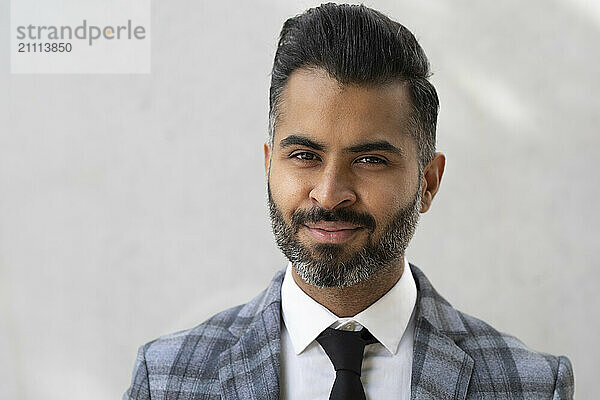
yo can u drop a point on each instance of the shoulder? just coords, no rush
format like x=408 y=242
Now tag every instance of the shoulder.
x=201 y=345
x=198 y=345
x=501 y=363
x=504 y=363
x=165 y=364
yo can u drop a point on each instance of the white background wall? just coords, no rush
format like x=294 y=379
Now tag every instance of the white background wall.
x=134 y=205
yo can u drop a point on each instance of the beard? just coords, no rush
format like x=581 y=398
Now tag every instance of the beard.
x=326 y=264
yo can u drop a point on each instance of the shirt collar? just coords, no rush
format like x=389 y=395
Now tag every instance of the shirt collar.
x=386 y=319
x=304 y=318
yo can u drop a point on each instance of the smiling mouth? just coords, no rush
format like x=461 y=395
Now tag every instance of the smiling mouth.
x=332 y=226
x=331 y=234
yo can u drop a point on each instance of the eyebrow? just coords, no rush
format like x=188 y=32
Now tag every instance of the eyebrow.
x=379 y=145
x=301 y=141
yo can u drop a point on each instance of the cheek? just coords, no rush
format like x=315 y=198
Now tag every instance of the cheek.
x=384 y=199
x=288 y=191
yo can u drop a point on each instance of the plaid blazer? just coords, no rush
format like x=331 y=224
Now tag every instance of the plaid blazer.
x=235 y=355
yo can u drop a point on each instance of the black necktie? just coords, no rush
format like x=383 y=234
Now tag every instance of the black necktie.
x=345 y=350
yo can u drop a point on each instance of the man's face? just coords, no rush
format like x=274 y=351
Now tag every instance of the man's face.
x=343 y=178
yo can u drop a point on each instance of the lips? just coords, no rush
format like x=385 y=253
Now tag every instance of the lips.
x=331 y=226
x=332 y=232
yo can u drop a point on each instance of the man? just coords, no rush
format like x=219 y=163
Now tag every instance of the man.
x=350 y=164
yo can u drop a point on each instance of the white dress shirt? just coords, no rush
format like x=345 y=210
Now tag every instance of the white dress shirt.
x=307 y=372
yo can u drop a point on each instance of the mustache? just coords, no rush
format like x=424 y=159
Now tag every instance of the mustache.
x=316 y=214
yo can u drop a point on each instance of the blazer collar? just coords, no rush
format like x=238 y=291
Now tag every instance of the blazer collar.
x=250 y=368
x=435 y=309
x=441 y=370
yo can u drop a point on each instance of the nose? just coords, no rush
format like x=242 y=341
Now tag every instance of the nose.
x=333 y=189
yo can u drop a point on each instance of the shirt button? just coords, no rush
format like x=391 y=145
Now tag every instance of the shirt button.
x=352 y=325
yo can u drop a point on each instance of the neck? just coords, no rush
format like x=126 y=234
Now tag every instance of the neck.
x=349 y=301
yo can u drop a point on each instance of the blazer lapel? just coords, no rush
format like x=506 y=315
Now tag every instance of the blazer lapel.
x=250 y=368
x=441 y=370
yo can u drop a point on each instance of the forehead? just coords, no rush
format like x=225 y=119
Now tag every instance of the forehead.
x=314 y=104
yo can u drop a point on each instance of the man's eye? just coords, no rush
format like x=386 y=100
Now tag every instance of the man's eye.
x=304 y=156
x=372 y=160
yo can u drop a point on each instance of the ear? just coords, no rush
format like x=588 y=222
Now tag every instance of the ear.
x=432 y=178
x=267 y=149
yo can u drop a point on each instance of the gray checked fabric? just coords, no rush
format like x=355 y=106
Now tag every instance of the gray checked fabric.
x=235 y=355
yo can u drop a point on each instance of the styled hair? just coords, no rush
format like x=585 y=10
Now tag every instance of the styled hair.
x=357 y=45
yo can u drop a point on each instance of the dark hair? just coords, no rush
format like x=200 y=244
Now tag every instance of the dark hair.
x=356 y=44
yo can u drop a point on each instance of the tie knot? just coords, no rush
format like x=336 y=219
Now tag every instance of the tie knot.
x=345 y=348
